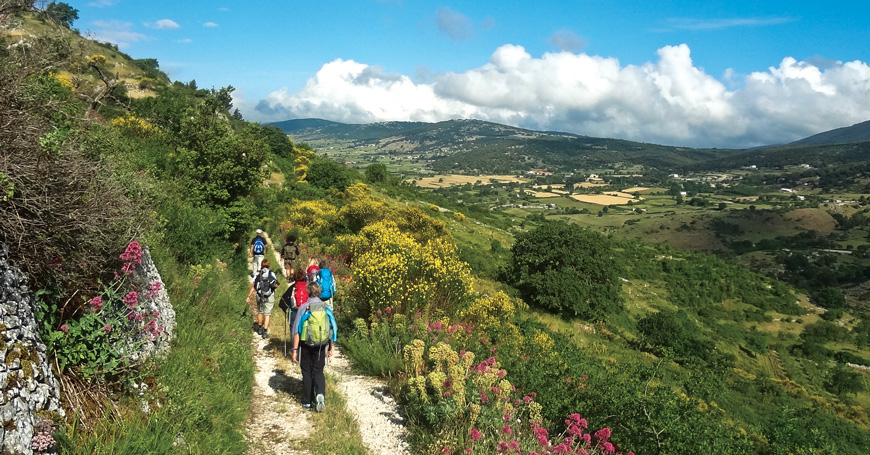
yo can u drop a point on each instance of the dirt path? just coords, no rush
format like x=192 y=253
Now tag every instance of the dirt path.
x=279 y=425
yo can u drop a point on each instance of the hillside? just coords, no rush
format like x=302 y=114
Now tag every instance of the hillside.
x=486 y=147
x=498 y=322
x=859 y=132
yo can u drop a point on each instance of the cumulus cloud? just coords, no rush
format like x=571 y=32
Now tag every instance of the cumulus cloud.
x=669 y=101
x=456 y=25
x=210 y=24
x=163 y=24
x=566 y=40
x=119 y=33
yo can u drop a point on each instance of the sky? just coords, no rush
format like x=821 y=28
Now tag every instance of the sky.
x=717 y=73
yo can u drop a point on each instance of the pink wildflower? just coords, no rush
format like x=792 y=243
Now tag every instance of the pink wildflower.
x=132 y=297
x=107 y=328
x=506 y=429
x=155 y=286
x=506 y=417
x=527 y=399
x=602 y=434
x=475 y=434
x=389 y=310
x=608 y=447
x=64 y=328
x=515 y=445
x=379 y=312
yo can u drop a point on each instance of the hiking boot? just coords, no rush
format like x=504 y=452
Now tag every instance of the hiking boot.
x=306 y=406
x=320 y=404
x=265 y=334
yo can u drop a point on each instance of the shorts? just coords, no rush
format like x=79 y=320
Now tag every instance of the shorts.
x=265 y=305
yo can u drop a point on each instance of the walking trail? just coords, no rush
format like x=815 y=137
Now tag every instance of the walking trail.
x=279 y=425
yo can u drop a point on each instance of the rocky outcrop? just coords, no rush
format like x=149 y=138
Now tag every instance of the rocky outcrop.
x=27 y=384
x=158 y=304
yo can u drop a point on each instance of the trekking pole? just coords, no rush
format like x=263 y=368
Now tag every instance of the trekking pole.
x=287 y=313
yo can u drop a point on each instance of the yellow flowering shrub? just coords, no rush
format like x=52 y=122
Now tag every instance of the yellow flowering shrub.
x=97 y=60
x=311 y=216
x=392 y=269
x=357 y=191
x=135 y=125
x=422 y=226
x=64 y=80
x=488 y=311
x=361 y=212
x=458 y=216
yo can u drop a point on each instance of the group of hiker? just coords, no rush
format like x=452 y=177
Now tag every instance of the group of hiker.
x=307 y=302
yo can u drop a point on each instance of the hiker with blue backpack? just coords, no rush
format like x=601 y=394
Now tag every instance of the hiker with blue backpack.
x=258 y=250
x=327 y=283
x=314 y=333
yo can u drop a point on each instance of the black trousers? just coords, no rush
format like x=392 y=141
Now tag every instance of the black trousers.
x=312 y=360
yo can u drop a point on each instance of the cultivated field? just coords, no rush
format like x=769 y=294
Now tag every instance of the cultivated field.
x=602 y=199
x=441 y=181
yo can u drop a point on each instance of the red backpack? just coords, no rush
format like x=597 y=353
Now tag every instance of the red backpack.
x=301 y=293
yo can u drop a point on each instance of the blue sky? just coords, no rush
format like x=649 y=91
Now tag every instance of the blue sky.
x=715 y=73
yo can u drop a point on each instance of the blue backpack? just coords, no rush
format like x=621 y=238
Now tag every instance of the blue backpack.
x=324 y=279
x=259 y=246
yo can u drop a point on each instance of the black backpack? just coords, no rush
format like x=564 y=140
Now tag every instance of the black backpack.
x=266 y=286
x=286 y=302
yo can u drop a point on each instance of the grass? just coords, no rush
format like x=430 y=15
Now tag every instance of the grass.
x=204 y=384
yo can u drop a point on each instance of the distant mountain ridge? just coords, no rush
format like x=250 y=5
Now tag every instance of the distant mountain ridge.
x=859 y=132
x=477 y=145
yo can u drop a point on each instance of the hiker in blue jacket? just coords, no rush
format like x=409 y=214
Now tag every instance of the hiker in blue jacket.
x=314 y=333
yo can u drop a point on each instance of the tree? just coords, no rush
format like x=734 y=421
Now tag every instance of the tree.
x=830 y=298
x=566 y=269
x=62 y=13
x=328 y=174
x=278 y=141
x=377 y=173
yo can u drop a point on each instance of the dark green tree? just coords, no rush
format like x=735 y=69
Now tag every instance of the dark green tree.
x=278 y=141
x=830 y=298
x=62 y=13
x=377 y=173
x=329 y=174
x=566 y=269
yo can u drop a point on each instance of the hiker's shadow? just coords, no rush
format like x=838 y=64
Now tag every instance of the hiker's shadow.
x=280 y=382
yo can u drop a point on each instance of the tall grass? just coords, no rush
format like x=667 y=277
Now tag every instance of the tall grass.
x=204 y=385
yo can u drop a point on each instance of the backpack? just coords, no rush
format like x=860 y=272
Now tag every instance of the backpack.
x=300 y=291
x=259 y=246
x=316 y=327
x=290 y=251
x=313 y=273
x=266 y=286
x=286 y=302
x=324 y=279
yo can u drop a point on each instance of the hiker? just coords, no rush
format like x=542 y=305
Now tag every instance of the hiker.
x=264 y=286
x=314 y=333
x=313 y=270
x=327 y=283
x=258 y=250
x=289 y=253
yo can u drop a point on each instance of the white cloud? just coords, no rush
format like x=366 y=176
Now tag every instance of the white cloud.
x=210 y=24
x=667 y=101
x=184 y=41
x=118 y=32
x=102 y=3
x=163 y=24
x=719 y=24
x=456 y=25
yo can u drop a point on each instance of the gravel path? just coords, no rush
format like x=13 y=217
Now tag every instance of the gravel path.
x=279 y=425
